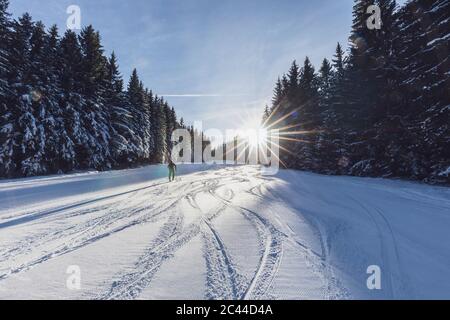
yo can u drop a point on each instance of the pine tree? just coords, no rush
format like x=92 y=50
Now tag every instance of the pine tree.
x=134 y=97
x=63 y=107
x=325 y=77
x=278 y=94
x=7 y=124
x=286 y=98
x=146 y=124
x=338 y=62
x=384 y=74
x=384 y=61
x=423 y=57
x=325 y=81
x=156 y=123
x=5 y=24
x=73 y=132
x=122 y=149
x=334 y=116
x=133 y=92
x=337 y=93
x=308 y=96
x=160 y=130
x=293 y=80
x=266 y=115
x=278 y=102
x=37 y=77
x=95 y=116
x=359 y=84
x=385 y=109
x=325 y=147
x=437 y=93
x=170 y=125
x=50 y=114
x=369 y=60
x=25 y=133
x=308 y=115
x=291 y=103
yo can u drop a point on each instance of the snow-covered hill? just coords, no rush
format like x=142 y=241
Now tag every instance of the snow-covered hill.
x=222 y=232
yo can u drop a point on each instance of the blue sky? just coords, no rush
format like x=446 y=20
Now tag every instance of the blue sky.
x=213 y=60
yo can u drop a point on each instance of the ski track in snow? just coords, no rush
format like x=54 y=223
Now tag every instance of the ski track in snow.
x=271 y=248
x=188 y=209
x=389 y=251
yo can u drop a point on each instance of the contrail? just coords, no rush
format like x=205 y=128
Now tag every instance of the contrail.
x=202 y=95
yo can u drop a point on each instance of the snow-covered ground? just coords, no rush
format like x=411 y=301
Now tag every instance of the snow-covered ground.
x=222 y=233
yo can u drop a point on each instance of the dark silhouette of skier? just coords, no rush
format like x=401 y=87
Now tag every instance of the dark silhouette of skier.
x=172 y=169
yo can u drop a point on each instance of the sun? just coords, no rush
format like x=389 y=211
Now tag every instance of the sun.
x=257 y=137
x=254 y=133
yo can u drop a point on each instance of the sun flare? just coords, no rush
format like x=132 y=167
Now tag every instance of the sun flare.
x=254 y=132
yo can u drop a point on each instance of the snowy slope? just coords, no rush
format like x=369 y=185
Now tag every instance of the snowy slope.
x=222 y=232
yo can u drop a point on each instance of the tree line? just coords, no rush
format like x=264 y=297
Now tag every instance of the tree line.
x=380 y=108
x=64 y=105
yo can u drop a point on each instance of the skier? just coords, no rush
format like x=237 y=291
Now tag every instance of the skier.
x=172 y=168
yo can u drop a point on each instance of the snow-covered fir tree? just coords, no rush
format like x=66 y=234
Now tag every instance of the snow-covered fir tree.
x=7 y=114
x=159 y=129
x=123 y=151
x=64 y=108
x=425 y=51
x=95 y=118
x=385 y=111
x=74 y=138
